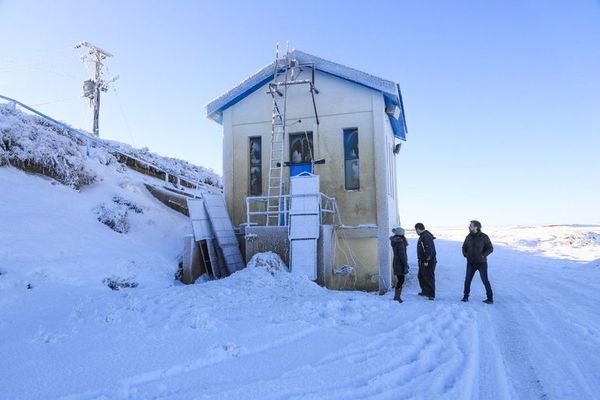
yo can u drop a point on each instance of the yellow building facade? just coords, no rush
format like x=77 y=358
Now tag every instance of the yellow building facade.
x=360 y=122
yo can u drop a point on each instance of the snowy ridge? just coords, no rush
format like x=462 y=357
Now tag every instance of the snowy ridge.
x=173 y=166
x=40 y=146
x=33 y=140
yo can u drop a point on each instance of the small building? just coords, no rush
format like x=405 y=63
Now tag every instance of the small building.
x=354 y=128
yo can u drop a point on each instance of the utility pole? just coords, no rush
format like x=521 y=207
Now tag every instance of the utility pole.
x=95 y=57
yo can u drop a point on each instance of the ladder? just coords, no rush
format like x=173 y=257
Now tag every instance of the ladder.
x=286 y=73
x=278 y=132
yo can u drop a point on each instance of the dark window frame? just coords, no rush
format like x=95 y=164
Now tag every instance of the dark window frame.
x=255 y=166
x=304 y=134
x=351 y=152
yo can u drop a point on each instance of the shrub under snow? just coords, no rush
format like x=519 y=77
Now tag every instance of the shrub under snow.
x=114 y=216
x=171 y=165
x=34 y=145
x=116 y=283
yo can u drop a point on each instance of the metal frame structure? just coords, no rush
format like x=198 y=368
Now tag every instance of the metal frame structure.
x=256 y=215
x=286 y=73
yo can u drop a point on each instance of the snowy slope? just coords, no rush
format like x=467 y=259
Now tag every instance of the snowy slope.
x=30 y=140
x=266 y=334
x=50 y=232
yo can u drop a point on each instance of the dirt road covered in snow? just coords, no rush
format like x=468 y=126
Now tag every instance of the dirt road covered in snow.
x=258 y=335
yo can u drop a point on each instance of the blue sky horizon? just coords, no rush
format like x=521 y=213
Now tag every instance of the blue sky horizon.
x=502 y=99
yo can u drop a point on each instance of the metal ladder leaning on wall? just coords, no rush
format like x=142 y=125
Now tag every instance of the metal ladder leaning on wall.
x=286 y=73
x=277 y=152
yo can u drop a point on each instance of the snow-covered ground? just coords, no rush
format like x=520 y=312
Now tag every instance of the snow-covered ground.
x=263 y=333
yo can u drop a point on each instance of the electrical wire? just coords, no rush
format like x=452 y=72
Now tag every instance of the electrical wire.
x=123 y=115
x=55 y=101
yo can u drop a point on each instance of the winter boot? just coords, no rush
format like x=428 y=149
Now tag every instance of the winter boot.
x=421 y=294
x=488 y=301
x=430 y=298
x=465 y=299
x=397 y=293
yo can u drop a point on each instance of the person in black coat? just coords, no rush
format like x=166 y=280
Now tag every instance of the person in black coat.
x=400 y=262
x=427 y=261
x=476 y=248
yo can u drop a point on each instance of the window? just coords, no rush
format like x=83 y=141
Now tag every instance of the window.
x=351 y=160
x=301 y=152
x=389 y=156
x=255 y=166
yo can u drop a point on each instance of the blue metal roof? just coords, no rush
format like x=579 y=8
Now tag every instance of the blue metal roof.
x=390 y=90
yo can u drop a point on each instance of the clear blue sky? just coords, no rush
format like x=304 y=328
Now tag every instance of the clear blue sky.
x=502 y=97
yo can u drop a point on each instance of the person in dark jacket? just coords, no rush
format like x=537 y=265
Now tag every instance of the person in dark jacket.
x=476 y=248
x=427 y=261
x=400 y=261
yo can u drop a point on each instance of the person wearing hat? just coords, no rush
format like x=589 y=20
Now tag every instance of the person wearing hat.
x=476 y=249
x=400 y=262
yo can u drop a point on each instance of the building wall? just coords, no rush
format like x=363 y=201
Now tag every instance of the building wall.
x=364 y=260
x=340 y=104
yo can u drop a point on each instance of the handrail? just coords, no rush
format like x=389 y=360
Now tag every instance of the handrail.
x=327 y=205
x=85 y=136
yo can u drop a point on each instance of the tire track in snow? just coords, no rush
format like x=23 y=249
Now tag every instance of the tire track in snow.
x=428 y=352
x=528 y=324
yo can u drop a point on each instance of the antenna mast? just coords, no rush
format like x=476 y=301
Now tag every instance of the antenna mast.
x=286 y=73
x=94 y=57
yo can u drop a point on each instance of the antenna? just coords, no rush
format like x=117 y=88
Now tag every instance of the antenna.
x=284 y=76
x=94 y=57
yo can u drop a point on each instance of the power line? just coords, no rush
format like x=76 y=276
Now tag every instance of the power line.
x=54 y=101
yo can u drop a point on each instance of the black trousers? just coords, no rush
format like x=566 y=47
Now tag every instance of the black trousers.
x=427 y=278
x=400 y=282
x=483 y=273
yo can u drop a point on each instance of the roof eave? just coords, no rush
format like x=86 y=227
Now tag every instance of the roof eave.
x=390 y=90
